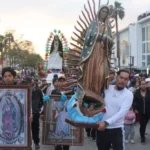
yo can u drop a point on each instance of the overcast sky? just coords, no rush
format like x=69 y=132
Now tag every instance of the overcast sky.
x=35 y=19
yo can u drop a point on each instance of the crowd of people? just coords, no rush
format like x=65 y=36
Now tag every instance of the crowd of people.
x=120 y=115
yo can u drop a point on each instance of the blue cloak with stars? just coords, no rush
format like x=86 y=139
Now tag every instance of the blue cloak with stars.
x=91 y=37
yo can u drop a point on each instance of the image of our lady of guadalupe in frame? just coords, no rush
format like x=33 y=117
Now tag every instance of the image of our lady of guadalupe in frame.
x=11 y=120
x=62 y=130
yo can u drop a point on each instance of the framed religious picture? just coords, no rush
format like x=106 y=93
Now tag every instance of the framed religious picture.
x=14 y=118
x=56 y=131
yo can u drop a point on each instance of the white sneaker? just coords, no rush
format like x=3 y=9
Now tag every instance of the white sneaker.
x=132 y=141
x=126 y=141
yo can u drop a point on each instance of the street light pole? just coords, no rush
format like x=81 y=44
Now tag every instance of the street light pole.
x=130 y=65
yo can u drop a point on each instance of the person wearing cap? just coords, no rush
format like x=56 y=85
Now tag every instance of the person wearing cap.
x=60 y=115
x=62 y=79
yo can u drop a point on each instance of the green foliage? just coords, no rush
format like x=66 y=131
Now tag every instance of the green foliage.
x=117 y=10
x=17 y=52
x=32 y=60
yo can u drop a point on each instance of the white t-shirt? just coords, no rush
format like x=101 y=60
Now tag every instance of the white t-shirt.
x=132 y=89
x=117 y=104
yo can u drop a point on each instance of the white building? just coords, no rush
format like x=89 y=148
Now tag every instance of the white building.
x=135 y=44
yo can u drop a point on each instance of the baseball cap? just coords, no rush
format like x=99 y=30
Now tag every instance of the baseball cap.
x=62 y=77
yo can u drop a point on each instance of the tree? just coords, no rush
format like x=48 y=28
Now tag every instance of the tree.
x=18 y=51
x=117 y=12
x=33 y=60
x=1 y=42
x=26 y=45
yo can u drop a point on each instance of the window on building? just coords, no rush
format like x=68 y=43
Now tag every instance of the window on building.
x=143 y=48
x=148 y=47
x=143 y=57
x=148 y=33
x=148 y=60
x=143 y=34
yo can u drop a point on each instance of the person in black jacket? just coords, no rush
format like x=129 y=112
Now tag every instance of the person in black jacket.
x=141 y=103
x=37 y=103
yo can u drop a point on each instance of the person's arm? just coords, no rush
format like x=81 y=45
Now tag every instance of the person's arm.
x=41 y=100
x=135 y=102
x=130 y=116
x=125 y=106
x=44 y=87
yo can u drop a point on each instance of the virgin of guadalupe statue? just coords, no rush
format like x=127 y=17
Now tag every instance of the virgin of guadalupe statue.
x=56 y=54
x=95 y=67
x=95 y=61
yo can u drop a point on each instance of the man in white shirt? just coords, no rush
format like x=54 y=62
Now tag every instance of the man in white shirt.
x=118 y=100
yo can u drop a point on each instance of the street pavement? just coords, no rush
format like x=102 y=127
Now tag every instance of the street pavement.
x=91 y=145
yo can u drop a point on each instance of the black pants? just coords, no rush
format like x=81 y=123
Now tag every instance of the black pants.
x=88 y=131
x=143 y=123
x=93 y=134
x=59 y=147
x=35 y=128
x=111 y=136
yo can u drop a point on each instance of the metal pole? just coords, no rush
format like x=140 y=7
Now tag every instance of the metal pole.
x=130 y=57
x=130 y=64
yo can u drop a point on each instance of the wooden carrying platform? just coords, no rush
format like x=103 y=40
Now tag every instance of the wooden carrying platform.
x=82 y=125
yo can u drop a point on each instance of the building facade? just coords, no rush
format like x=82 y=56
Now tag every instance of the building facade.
x=135 y=44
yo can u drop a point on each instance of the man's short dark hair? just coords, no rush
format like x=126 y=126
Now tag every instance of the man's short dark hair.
x=123 y=70
x=8 y=69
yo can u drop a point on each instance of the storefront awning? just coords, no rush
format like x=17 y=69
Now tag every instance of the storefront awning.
x=141 y=68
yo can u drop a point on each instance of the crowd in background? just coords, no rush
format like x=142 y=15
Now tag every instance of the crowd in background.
x=139 y=85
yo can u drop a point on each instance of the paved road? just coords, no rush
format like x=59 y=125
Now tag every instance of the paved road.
x=90 y=145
